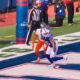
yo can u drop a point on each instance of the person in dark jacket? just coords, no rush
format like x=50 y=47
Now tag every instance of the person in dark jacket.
x=44 y=9
x=70 y=9
x=59 y=12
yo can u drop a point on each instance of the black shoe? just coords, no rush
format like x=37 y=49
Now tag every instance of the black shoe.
x=28 y=44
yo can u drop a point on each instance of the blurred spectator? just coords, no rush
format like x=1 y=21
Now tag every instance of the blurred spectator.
x=70 y=9
x=59 y=9
x=44 y=9
x=59 y=12
x=77 y=8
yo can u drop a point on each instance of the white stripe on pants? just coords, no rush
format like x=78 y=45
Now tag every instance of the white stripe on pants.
x=50 y=51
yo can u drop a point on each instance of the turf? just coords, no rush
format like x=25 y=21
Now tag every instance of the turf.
x=8 y=34
x=65 y=29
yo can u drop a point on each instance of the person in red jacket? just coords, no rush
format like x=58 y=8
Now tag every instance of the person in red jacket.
x=70 y=9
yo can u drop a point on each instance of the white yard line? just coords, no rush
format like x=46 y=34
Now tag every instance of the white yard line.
x=24 y=46
x=9 y=36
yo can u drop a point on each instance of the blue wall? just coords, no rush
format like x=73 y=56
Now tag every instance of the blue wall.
x=4 y=4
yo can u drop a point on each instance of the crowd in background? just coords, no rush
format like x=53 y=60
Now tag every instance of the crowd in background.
x=59 y=10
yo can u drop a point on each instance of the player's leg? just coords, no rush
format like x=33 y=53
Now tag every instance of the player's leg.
x=37 y=48
x=47 y=54
x=29 y=35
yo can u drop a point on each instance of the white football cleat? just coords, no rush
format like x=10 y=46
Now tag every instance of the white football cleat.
x=65 y=57
x=53 y=66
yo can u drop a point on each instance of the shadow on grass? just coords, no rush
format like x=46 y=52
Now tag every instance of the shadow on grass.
x=5 y=41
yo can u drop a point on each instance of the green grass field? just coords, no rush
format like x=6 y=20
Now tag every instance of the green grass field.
x=65 y=29
x=8 y=34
